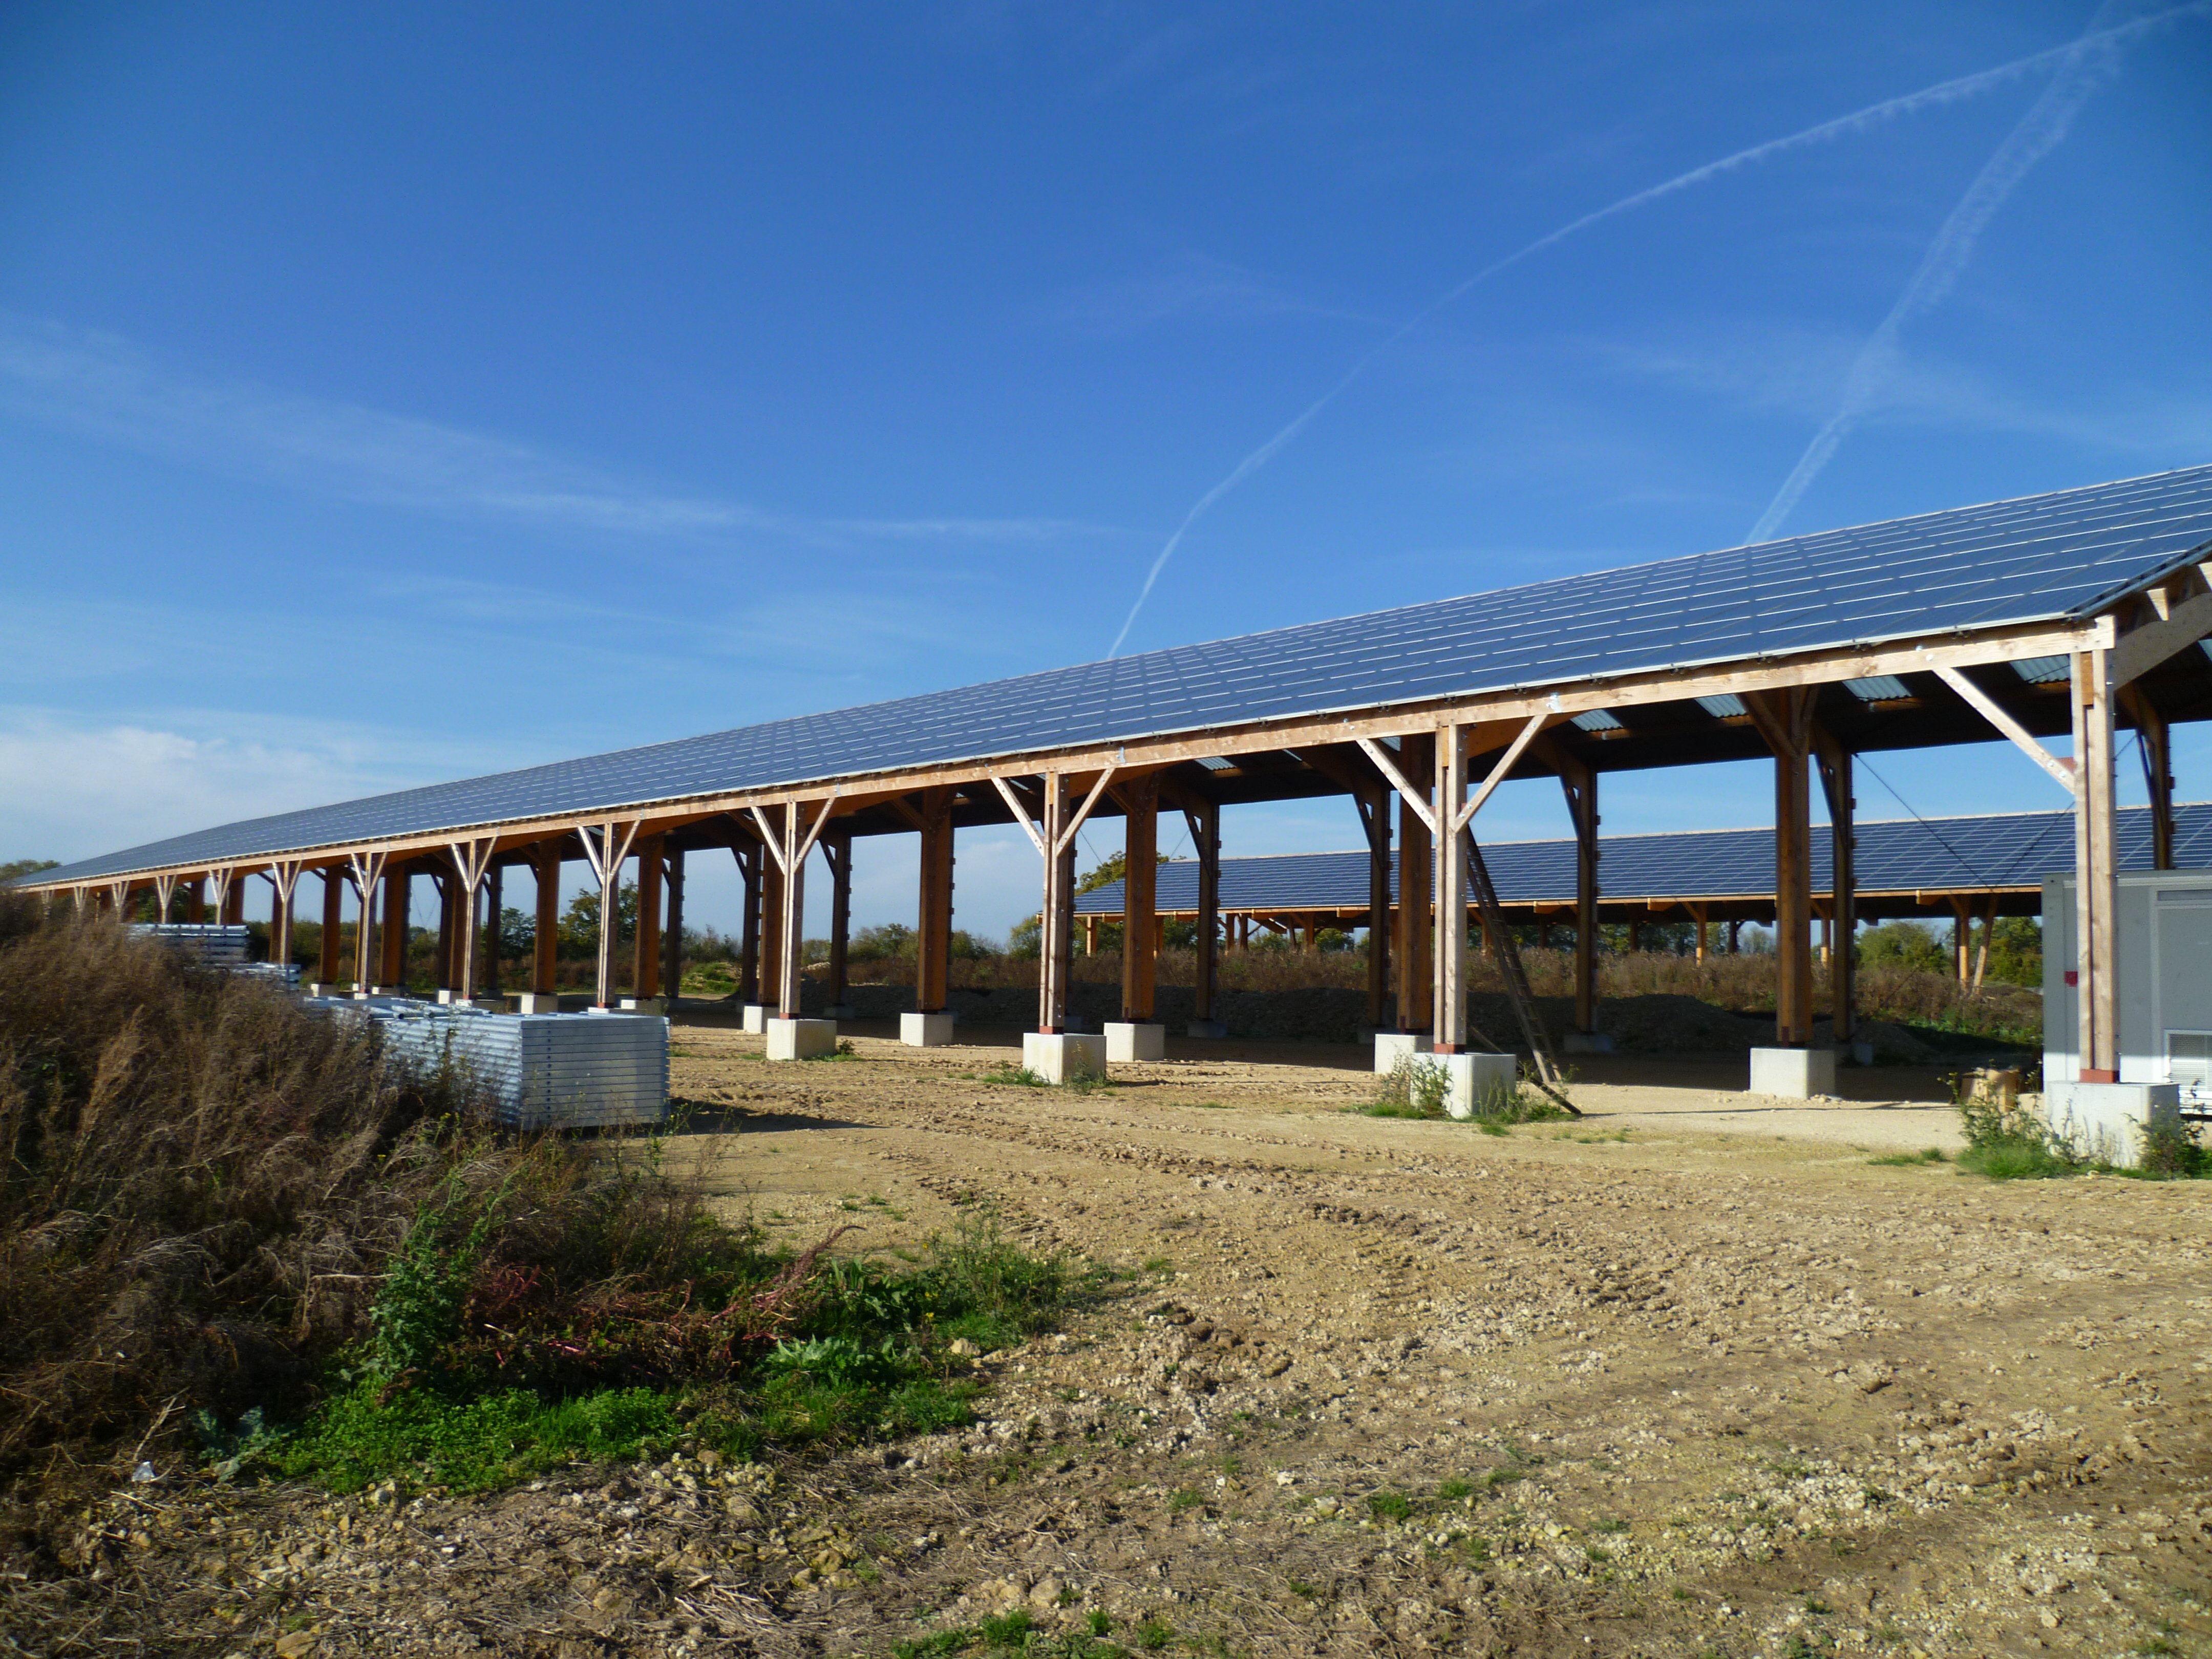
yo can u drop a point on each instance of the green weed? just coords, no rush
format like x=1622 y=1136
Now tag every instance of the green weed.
x=1909 y=1160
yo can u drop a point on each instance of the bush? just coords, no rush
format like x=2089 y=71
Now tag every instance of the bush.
x=220 y=1209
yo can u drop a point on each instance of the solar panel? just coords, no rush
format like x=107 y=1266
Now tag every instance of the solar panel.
x=2008 y=849
x=2060 y=555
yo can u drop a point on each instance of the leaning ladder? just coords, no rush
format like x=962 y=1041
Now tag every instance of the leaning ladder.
x=1516 y=979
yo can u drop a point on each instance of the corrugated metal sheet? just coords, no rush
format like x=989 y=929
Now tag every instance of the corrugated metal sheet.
x=2010 y=849
x=2063 y=554
x=545 y=1071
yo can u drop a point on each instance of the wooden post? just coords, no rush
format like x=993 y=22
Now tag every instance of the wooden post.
x=1962 y=940
x=1835 y=780
x=2155 y=743
x=443 y=969
x=494 y=895
x=1375 y=823
x=1448 y=1016
x=1785 y=720
x=1205 y=823
x=399 y=894
x=747 y=852
x=770 y=946
x=1140 y=881
x=1578 y=782
x=837 y=853
x=606 y=846
x=2096 y=892
x=672 y=938
x=196 y=901
x=326 y=956
x=545 y=948
x=284 y=881
x=229 y=896
x=790 y=844
x=1416 y=879
x=1054 y=840
x=932 y=969
x=1989 y=938
x=471 y=863
x=1054 y=941
x=1793 y=902
x=1699 y=911
x=645 y=956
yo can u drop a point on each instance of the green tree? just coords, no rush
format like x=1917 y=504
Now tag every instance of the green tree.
x=1903 y=945
x=2016 y=951
x=27 y=867
x=579 y=927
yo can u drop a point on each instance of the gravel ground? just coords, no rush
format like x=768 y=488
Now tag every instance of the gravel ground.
x=1689 y=1376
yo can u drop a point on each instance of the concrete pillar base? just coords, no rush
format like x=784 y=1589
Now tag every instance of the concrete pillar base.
x=1213 y=1030
x=1477 y=1083
x=2109 y=1122
x=645 y=1005
x=1131 y=1041
x=755 y=1017
x=1061 y=1056
x=1391 y=1047
x=1586 y=1042
x=537 y=1002
x=1793 y=1073
x=447 y=996
x=801 y=1039
x=317 y=988
x=925 y=1031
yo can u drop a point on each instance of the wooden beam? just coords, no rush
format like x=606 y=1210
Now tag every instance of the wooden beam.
x=2060 y=768
x=933 y=918
x=606 y=846
x=837 y=853
x=2141 y=649
x=1204 y=821
x=672 y=937
x=2156 y=743
x=1836 y=779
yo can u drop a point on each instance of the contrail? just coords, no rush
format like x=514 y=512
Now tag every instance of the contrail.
x=2040 y=131
x=1944 y=92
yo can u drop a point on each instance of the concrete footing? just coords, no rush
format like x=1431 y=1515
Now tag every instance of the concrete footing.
x=1126 y=1040
x=1793 y=1073
x=1391 y=1047
x=2109 y=1122
x=925 y=1031
x=756 y=1016
x=645 y=1005
x=1213 y=1030
x=801 y=1039
x=537 y=1002
x=1477 y=1083
x=1060 y=1056
x=1586 y=1042
x=317 y=988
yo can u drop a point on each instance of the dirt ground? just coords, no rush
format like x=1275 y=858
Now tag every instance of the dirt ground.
x=1689 y=1376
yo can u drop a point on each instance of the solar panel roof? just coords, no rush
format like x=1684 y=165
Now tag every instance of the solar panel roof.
x=2060 y=556
x=2007 y=849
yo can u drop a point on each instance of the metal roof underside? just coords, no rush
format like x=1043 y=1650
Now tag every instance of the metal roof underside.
x=2010 y=849
x=2064 y=556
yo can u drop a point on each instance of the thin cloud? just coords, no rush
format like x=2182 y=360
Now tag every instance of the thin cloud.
x=1943 y=93
x=2042 y=130
x=101 y=383
x=1205 y=291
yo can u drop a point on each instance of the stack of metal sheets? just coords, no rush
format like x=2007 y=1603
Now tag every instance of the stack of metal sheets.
x=544 y=1071
x=223 y=944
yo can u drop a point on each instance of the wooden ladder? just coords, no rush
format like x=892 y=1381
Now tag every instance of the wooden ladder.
x=1516 y=979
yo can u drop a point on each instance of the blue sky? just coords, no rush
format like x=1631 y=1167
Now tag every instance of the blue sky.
x=392 y=394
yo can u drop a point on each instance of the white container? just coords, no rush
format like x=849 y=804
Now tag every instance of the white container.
x=2162 y=958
